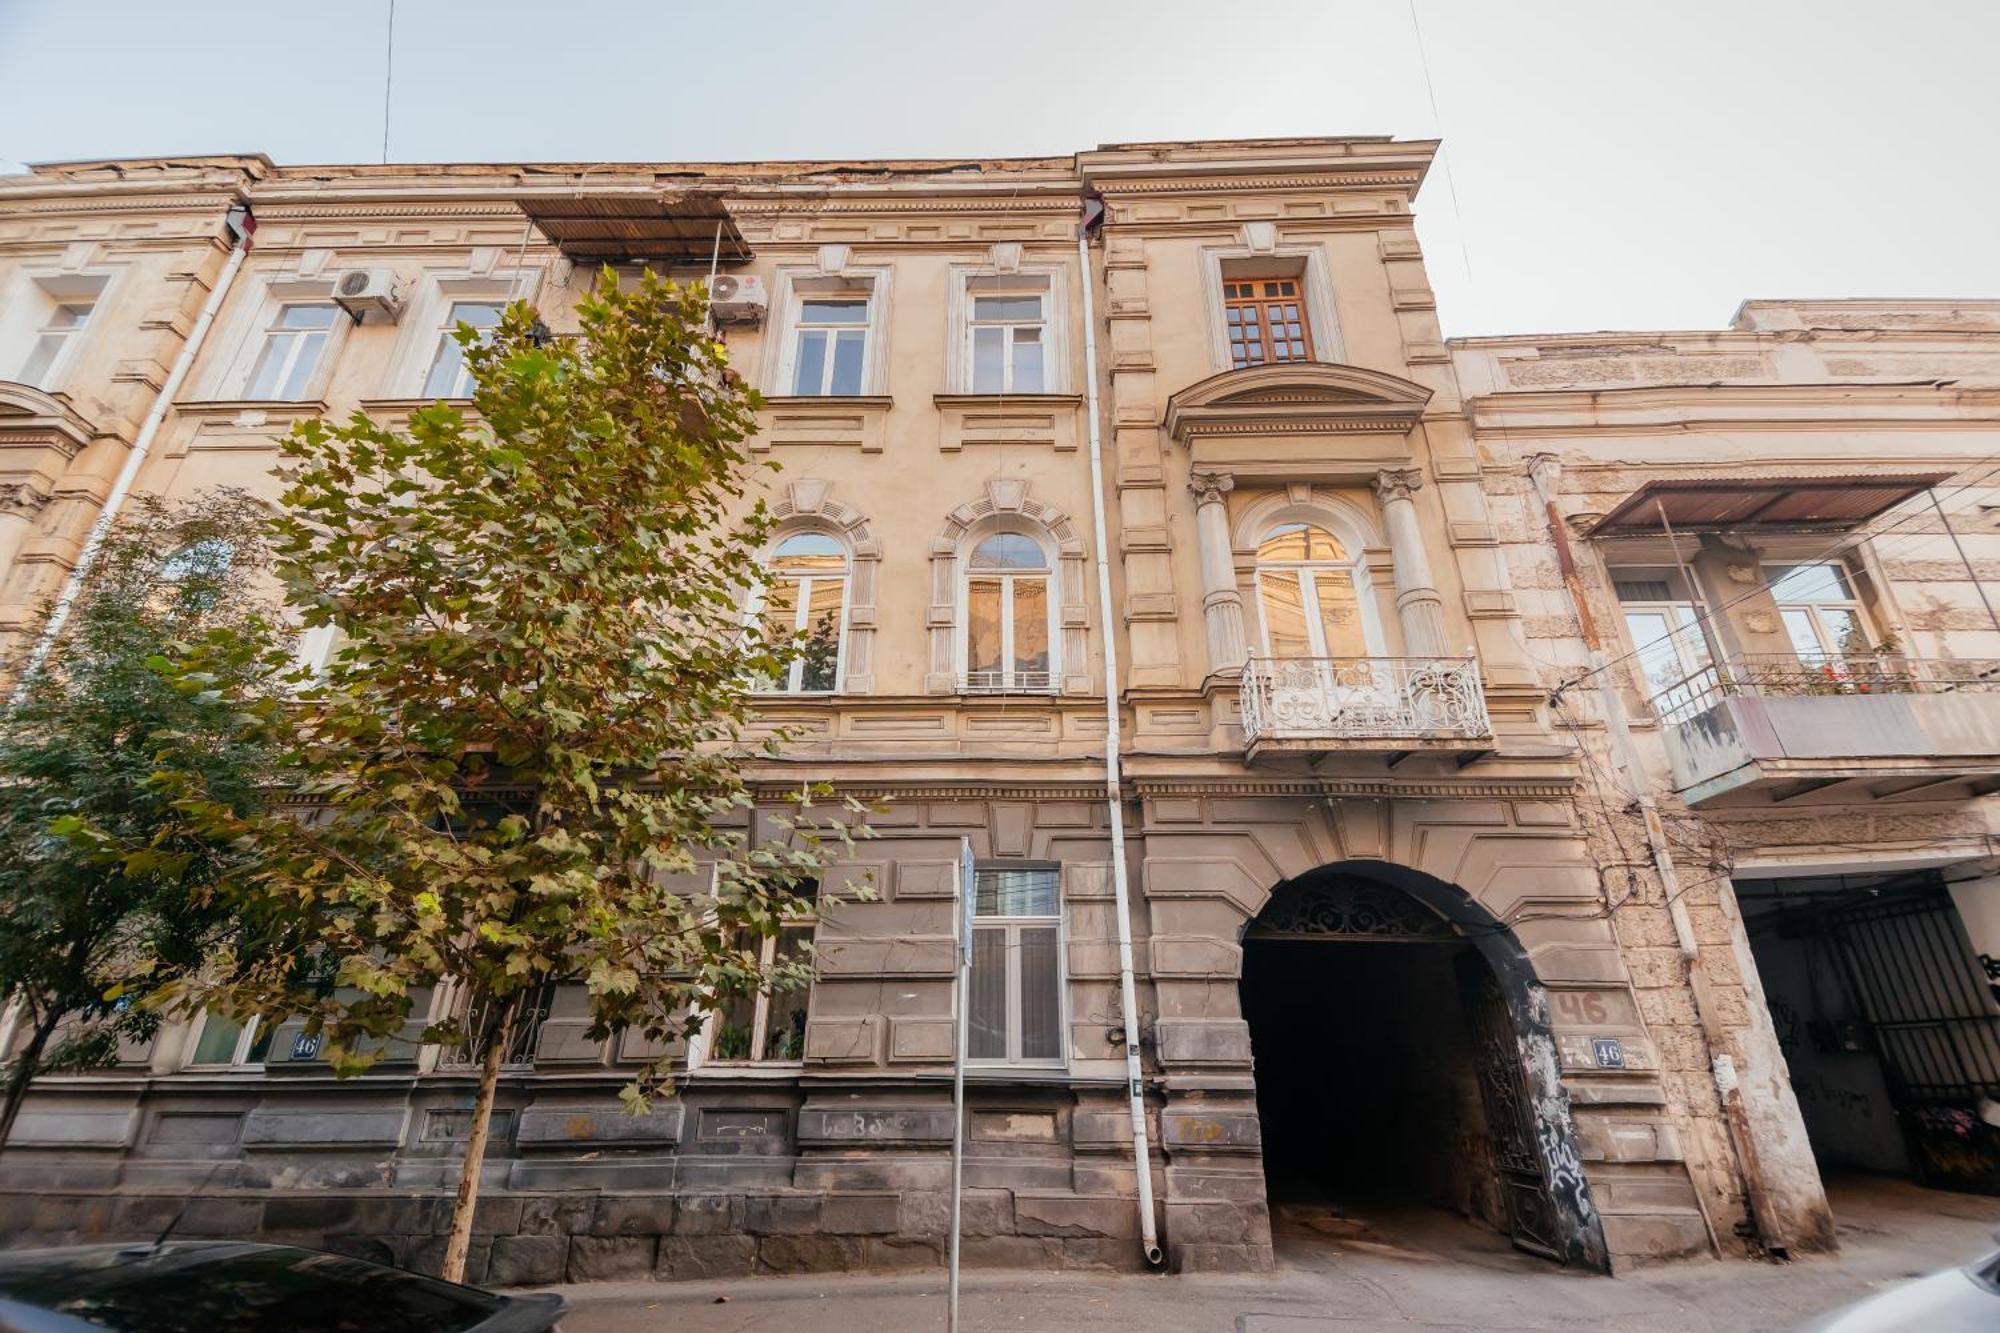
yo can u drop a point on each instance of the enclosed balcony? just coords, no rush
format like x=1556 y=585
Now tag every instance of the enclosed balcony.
x=1385 y=705
x=1776 y=729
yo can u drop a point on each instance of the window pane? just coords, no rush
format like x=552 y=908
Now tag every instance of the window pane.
x=1805 y=635
x=303 y=366
x=809 y=551
x=260 y=1045
x=41 y=356
x=270 y=364
x=986 y=1007
x=1339 y=613
x=988 y=353
x=1022 y=891
x=217 y=1044
x=785 y=1020
x=1041 y=994
x=1008 y=550
x=1284 y=613
x=1009 y=308
x=1300 y=541
x=1027 y=361
x=306 y=317
x=1810 y=583
x=1031 y=626
x=732 y=1028
x=847 y=357
x=820 y=668
x=1841 y=627
x=982 y=626
x=479 y=314
x=810 y=380
x=834 y=312
x=1657 y=657
x=442 y=382
x=69 y=317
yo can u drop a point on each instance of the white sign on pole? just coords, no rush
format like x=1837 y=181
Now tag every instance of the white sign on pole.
x=967 y=896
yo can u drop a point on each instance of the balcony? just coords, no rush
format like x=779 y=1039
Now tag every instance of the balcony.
x=1779 y=729
x=1385 y=705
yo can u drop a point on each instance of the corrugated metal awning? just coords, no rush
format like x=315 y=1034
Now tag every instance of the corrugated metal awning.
x=1698 y=504
x=666 y=229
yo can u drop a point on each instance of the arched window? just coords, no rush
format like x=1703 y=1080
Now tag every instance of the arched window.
x=1008 y=632
x=807 y=595
x=1310 y=595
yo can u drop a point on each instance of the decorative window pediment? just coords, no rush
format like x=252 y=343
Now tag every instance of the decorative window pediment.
x=33 y=418
x=1310 y=397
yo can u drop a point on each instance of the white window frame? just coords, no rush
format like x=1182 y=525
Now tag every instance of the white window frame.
x=427 y=319
x=228 y=380
x=1011 y=927
x=797 y=286
x=1811 y=610
x=297 y=339
x=30 y=301
x=701 y=1042
x=1307 y=262
x=239 y=1054
x=1050 y=282
x=795 y=672
x=1355 y=567
x=461 y=381
x=1049 y=573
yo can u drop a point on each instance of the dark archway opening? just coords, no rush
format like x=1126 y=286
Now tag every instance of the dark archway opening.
x=1391 y=1088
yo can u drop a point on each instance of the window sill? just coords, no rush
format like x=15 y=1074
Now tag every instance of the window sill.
x=855 y=421
x=228 y=406
x=749 y=1070
x=871 y=400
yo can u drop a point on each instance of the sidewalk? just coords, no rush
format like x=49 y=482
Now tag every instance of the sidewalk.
x=1416 y=1272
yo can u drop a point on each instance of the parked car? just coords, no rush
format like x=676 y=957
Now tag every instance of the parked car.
x=1957 y=1300
x=214 y=1286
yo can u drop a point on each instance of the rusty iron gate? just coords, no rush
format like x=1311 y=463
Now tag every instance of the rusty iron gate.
x=1934 y=1023
x=1510 y=1119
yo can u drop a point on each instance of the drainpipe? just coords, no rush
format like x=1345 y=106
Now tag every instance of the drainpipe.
x=1543 y=470
x=1135 y=1086
x=241 y=224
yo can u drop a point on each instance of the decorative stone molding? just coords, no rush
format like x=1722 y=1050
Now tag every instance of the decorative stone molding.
x=1006 y=497
x=809 y=506
x=1393 y=484
x=1209 y=488
x=1295 y=398
x=22 y=499
x=29 y=417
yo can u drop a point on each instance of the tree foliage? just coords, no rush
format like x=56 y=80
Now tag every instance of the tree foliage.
x=533 y=733
x=108 y=898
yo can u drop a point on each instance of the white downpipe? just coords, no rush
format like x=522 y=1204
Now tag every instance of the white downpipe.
x=1135 y=1087
x=142 y=444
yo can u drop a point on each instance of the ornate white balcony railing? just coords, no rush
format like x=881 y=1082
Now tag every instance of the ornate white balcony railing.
x=1363 y=698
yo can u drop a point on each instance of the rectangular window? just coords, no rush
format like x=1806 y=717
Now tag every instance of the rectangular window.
x=1266 y=321
x=1822 y=615
x=448 y=376
x=58 y=334
x=768 y=1026
x=1009 y=343
x=1663 y=623
x=224 y=1043
x=1015 y=1004
x=832 y=346
x=294 y=341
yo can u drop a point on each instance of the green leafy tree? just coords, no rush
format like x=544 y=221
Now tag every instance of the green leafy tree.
x=108 y=898
x=538 y=718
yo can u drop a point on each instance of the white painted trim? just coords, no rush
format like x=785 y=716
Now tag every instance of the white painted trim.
x=780 y=358
x=1057 y=319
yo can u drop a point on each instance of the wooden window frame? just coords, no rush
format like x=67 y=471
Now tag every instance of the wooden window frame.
x=1249 y=294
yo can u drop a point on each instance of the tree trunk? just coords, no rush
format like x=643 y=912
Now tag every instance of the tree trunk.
x=458 y=1244
x=25 y=1067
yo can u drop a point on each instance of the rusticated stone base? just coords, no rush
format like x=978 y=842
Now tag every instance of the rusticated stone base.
x=534 y=1239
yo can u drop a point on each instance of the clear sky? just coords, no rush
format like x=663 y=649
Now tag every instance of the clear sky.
x=1616 y=164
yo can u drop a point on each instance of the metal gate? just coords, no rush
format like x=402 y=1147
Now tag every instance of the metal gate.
x=1935 y=1025
x=1510 y=1121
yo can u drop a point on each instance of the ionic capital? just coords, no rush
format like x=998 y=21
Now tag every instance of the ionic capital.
x=1398 y=483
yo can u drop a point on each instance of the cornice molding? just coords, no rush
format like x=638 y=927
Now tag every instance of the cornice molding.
x=1331 y=177
x=31 y=417
x=1519 y=789
x=1306 y=397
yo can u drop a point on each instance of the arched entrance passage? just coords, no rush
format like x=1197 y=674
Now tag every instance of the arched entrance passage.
x=1402 y=1055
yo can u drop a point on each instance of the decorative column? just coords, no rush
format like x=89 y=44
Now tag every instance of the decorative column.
x=1417 y=600
x=1221 y=604
x=20 y=504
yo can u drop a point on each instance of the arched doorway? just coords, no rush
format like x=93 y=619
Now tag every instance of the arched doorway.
x=1402 y=1057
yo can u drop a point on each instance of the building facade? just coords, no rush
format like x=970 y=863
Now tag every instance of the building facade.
x=1397 y=925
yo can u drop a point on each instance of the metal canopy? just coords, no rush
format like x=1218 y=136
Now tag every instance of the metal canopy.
x=666 y=229
x=1697 y=504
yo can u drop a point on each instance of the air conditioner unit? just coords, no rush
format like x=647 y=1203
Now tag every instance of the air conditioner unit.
x=367 y=293
x=737 y=299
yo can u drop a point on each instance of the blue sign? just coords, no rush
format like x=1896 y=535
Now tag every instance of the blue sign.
x=1610 y=1052
x=969 y=895
x=305 y=1046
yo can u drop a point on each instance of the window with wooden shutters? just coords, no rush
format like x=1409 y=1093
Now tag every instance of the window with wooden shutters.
x=1266 y=321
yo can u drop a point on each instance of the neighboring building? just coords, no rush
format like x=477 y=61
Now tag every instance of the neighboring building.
x=1380 y=857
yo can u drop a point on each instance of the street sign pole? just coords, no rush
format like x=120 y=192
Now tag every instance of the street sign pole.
x=960 y=996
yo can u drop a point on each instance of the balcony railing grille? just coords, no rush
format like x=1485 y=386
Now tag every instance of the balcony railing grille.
x=1363 y=698
x=1782 y=675
x=1007 y=682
